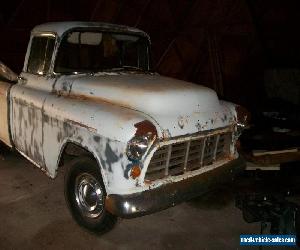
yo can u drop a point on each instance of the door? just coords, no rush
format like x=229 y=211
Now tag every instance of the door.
x=28 y=98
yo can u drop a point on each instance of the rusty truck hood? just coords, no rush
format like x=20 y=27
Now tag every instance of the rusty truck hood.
x=177 y=107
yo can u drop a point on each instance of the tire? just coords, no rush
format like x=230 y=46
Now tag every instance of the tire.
x=85 y=195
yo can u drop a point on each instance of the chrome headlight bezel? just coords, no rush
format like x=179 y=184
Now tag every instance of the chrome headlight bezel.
x=138 y=146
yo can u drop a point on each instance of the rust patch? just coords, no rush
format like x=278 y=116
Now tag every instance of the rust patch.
x=82 y=125
x=145 y=127
x=128 y=115
x=95 y=99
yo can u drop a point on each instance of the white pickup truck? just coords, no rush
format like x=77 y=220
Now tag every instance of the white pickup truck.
x=134 y=142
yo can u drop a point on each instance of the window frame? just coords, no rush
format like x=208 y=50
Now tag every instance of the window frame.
x=97 y=29
x=47 y=35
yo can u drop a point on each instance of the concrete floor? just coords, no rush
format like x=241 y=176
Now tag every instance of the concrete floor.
x=33 y=215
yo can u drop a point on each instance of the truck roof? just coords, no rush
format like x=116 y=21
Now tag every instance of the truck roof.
x=61 y=27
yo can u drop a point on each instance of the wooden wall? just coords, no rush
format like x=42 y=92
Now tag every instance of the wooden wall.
x=223 y=44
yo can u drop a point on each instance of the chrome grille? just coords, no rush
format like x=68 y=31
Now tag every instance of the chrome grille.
x=177 y=158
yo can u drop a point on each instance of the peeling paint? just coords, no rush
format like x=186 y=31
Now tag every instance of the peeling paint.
x=181 y=122
x=166 y=134
x=198 y=126
x=81 y=125
x=96 y=138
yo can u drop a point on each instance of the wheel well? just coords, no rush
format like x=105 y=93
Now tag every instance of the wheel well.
x=71 y=151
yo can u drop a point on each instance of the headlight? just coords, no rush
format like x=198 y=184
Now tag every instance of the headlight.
x=239 y=130
x=138 y=146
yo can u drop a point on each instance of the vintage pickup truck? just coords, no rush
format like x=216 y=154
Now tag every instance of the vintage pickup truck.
x=133 y=142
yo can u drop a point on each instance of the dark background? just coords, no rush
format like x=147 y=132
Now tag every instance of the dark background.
x=224 y=44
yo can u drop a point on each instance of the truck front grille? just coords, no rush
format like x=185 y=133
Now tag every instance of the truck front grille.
x=179 y=157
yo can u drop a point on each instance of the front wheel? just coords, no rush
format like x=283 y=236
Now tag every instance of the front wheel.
x=85 y=195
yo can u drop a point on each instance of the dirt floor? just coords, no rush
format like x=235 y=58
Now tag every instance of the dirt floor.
x=34 y=215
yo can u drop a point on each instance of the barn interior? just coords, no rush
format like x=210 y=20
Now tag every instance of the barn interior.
x=248 y=52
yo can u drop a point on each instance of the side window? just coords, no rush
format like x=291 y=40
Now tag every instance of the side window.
x=40 y=54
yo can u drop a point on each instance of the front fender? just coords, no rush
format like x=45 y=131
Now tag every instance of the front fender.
x=101 y=128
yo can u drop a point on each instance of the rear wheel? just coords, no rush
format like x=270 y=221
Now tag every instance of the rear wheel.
x=85 y=195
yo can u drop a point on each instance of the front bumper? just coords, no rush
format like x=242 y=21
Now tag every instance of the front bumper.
x=165 y=196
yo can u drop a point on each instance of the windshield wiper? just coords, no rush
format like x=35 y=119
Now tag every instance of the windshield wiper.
x=127 y=68
x=124 y=68
x=132 y=68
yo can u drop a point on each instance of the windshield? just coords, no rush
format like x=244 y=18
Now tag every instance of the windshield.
x=92 y=51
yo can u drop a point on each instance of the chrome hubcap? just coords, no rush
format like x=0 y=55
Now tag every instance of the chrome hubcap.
x=89 y=195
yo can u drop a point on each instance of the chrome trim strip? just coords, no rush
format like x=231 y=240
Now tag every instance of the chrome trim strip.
x=202 y=152
x=216 y=147
x=168 y=160
x=186 y=155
